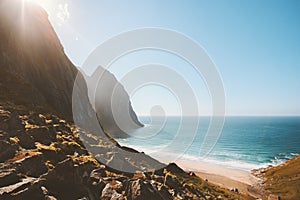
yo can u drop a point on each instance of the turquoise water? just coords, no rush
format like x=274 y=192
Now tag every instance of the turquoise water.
x=245 y=142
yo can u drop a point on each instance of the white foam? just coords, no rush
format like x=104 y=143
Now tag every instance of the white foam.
x=235 y=163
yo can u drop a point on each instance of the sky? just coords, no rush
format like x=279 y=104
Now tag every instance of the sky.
x=254 y=44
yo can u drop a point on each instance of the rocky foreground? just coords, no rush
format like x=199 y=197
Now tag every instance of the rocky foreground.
x=42 y=157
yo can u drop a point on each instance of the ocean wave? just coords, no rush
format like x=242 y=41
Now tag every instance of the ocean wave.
x=282 y=157
x=233 y=164
x=228 y=159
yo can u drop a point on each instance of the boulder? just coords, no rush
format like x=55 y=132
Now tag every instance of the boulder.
x=33 y=166
x=26 y=141
x=42 y=135
x=8 y=177
x=33 y=191
x=110 y=191
x=37 y=119
x=98 y=173
x=142 y=190
x=172 y=182
x=15 y=123
x=68 y=180
x=7 y=150
x=173 y=168
x=273 y=197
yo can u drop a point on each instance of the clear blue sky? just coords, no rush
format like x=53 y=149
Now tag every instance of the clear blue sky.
x=255 y=45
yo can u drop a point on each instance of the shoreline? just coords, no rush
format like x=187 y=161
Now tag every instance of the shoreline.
x=243 y=176
x=224 y=176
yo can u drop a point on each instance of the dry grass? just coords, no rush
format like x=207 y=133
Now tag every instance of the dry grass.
x=284 y=180
x=23 y=154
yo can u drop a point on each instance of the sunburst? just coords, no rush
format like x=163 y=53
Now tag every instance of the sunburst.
x=48 y=5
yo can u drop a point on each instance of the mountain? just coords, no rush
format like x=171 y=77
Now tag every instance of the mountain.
x=43 y=153
x=112 y=103
x=31 y=54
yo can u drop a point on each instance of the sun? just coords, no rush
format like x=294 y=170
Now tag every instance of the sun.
x=58 y=11
x=48 y=5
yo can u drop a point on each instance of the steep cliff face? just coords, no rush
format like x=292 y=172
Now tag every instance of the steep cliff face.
x=31 y=54
x=112 y=103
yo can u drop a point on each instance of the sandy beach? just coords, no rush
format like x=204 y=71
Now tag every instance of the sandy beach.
x=223 y=176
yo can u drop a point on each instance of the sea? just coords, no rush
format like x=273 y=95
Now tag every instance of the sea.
x=244 y=142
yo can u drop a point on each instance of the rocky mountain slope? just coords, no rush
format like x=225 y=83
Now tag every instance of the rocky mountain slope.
x=283 y=180
x=42 y=157
x=43 y=154
x=31 y=54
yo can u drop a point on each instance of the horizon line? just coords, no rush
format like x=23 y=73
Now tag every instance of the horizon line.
x=292 y=115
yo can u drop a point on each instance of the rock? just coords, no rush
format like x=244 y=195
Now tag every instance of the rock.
x=15 y=123
x=18 y=188
x=160 y=179
x=118 y=163
x=191 y=189
x=68 y=180
x=53 y=155
x=192 y=174
x=139 y=175
x=273 y=197
x=70 y=148
x=97 y=188
x=159 y=172
x=172 y=182
x=63 y=181
x=141 y=190
x=41 y=135
x=236 y=190
x=33 y=166
x=173 y=168
x=8 y=176
x=26 y=141
x=32 y=192
x=7 y=150
x=37 y=119
x=110 y=191
x=4 y=114
x=49 y=197
x=4 y=117
x=163 y=191
x=97 y=174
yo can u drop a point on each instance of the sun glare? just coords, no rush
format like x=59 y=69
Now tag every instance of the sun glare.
x=46 y=4
x=58 y=11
